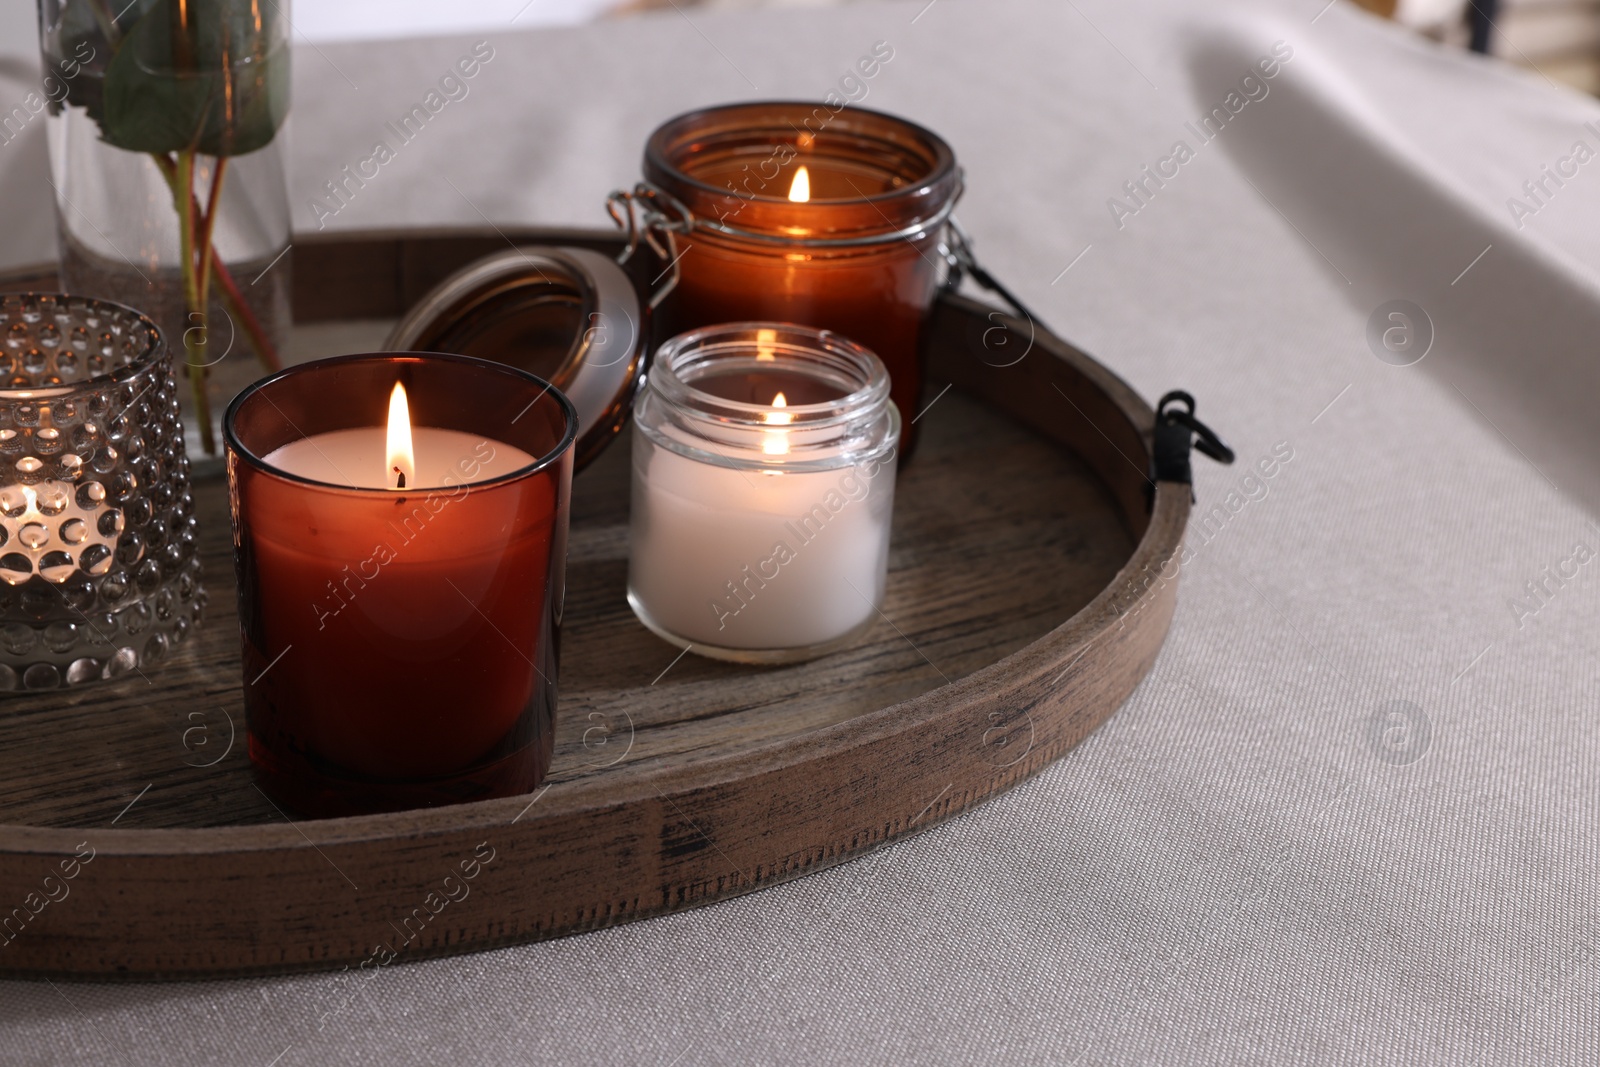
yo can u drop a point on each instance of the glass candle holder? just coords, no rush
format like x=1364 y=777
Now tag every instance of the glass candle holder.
x=99 y=564
x=763 y=487
x=399 y=592
x=849 y=245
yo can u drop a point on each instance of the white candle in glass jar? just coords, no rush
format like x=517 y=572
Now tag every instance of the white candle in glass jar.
x=751 y=560
x=767 y=541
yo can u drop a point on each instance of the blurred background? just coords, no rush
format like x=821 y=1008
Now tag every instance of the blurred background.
x=1561 y=38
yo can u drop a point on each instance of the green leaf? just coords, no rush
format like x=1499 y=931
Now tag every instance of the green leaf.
x=209 y=77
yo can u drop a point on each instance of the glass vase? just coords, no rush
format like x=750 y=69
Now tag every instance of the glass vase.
x=169 y=179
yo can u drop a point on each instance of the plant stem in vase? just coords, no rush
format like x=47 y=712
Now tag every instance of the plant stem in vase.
x=169 y=178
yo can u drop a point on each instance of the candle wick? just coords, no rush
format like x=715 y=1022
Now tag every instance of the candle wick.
x=400 y=483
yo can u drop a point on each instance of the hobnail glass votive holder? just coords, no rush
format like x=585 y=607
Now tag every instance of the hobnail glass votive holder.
x=99 y=559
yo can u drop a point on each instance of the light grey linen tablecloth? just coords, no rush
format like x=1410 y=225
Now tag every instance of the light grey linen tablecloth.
x=1350 y=817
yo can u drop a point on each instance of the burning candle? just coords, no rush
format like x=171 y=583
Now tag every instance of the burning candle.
x=800 y=186
x=99 y=568
x=400 y=527
x=384 y=457
x=763 y=485
x=800 y=213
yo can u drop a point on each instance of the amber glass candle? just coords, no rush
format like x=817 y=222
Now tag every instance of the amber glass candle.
x=399 y=615
x=803 y=214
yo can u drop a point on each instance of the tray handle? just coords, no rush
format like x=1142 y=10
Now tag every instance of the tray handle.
x=1176 y=432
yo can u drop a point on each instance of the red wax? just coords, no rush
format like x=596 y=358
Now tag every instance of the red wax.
x=399 y=646
x=385 y=611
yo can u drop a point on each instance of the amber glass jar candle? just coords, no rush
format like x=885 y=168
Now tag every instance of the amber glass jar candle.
x=400 y=529
x=797 y=213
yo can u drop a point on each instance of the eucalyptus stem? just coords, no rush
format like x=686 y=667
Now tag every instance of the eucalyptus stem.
x=208 y=250
x=169 y=171
x=194 y=296
x=236 y=299
x=205 y=252
x=241 y=310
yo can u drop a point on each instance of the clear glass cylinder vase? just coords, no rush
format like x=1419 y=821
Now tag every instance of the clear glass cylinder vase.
x=150 y=103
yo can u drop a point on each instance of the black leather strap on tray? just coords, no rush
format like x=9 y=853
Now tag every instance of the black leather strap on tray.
x=1176 y=431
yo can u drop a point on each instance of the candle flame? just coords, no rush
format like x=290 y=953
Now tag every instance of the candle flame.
x=800 y=188
x=401 y=468
x=776 y=442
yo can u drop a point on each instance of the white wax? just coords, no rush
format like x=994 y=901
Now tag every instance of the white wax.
x=358 y=457
x=755 y=561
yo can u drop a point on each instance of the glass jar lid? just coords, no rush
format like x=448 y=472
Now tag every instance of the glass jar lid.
x=568 y=315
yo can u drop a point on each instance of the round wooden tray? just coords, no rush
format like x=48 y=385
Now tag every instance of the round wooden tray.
x=1024 y=604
